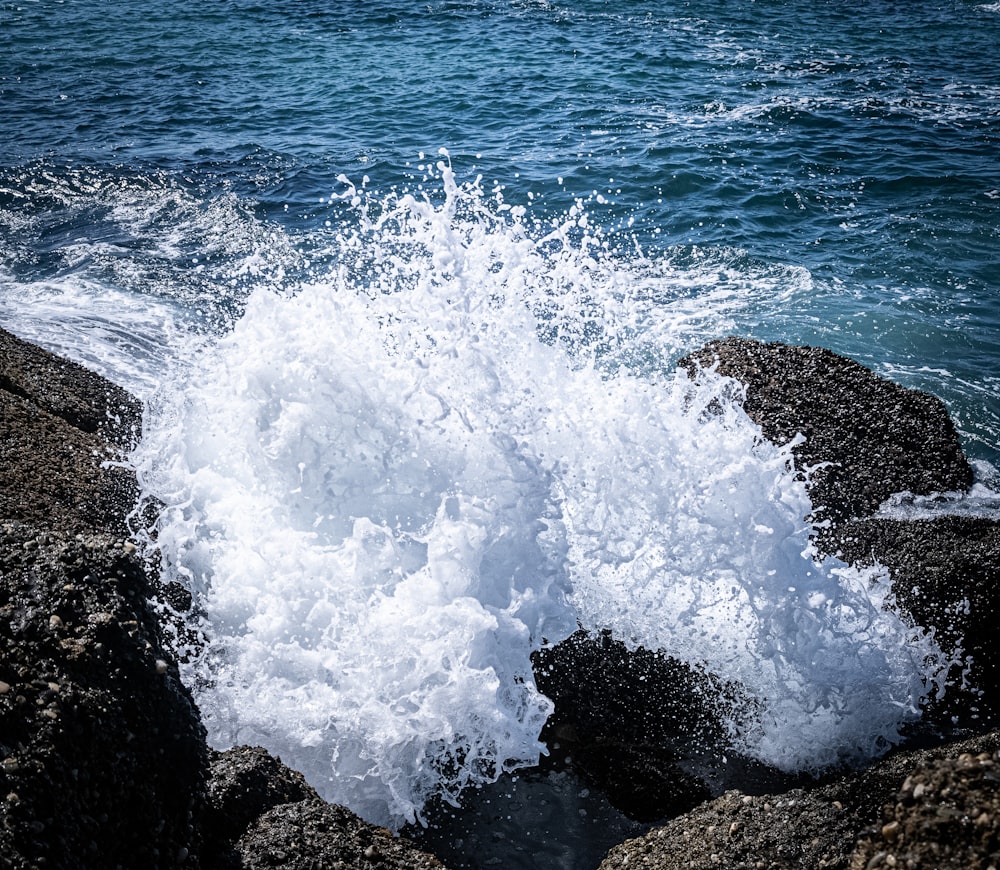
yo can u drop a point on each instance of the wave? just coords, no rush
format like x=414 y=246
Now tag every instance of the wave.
x=456 y=442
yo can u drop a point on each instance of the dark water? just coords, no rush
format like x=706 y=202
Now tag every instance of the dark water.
x=823 y=173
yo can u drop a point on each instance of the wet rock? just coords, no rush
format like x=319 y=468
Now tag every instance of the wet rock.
x=103 y=759
x=878 y=437
x=815 y=828
x=244 y=783
x=104 y=753
x=314 y=835
x=881 y=439
x=630 y=721
x=59 y=426
x=946 y=575
x=260 y=813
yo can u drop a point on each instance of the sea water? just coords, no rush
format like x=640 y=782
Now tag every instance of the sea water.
x=404 y=289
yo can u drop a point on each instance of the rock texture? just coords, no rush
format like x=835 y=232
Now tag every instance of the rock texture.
x=821 y=827
x=629 y=720
x=946 y=575
x=59 y=425
x=946 y=816
x=261 y=814
x=872 y=439
x=102 y=753
x=871 y=436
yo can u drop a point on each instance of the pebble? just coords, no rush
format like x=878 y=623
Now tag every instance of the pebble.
x=55 y=621
x=161 y=666
x=890 y=831
x=4 y=687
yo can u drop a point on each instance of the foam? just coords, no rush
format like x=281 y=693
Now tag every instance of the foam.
x=388 y=485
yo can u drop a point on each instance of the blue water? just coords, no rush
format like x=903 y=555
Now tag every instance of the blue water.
x=857 y=141
x=821 y=173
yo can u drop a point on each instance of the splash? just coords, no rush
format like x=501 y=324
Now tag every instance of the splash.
x=388 y=485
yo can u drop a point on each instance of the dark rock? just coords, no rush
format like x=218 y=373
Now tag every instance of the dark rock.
x=59 y=424
x=103 y=760
x=815 y=828
x=946 y=815
x=102 y=753
x=626 y=720
x=946 y=575
x=880 y=438
x=64 y=389
x=314 y=835
x=245 y=782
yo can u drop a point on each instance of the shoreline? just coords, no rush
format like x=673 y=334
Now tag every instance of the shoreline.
x=84 y=661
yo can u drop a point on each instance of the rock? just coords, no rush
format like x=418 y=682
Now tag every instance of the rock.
x=878 y=437
x=261 y=813
x=946 y=575
x=244 y=783
x=314 y=835
x=630 y=721
x=106 y=755
x=815 y=828
x=881 y=439
x=103 y=759
x=946 y=815
x=59 y=423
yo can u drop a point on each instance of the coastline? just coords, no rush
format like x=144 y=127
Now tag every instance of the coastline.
x=84 y=662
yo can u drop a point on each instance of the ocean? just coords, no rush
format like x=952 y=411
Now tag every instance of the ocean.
x=404 y=286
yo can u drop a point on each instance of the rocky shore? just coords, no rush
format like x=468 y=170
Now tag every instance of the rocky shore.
x=103 y=760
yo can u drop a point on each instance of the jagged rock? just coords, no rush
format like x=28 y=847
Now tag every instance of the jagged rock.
x=314 y=835
x=244 y=783
x=881 y=439
x=946 y=575
x=102 y=753
x=59 y=423
x=878 y=437
x=626 y=719
x=261 y=813
x=815 y=828
x=945 y=816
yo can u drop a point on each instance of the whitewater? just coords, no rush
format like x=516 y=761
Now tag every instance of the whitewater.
x=388 y=486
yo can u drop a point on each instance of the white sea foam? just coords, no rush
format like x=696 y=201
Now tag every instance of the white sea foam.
x=388 y=486
x=124 y=337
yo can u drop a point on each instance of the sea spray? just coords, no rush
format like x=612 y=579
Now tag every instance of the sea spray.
x=392 y=482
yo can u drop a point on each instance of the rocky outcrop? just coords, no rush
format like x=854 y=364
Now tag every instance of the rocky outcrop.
x=103 y=760
x=60 y=426
x=868 y=436
x=631 y=721
x=866 y=439
x=929 y=797
x=946 y=575
x=102 y=753
x=261 y=814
